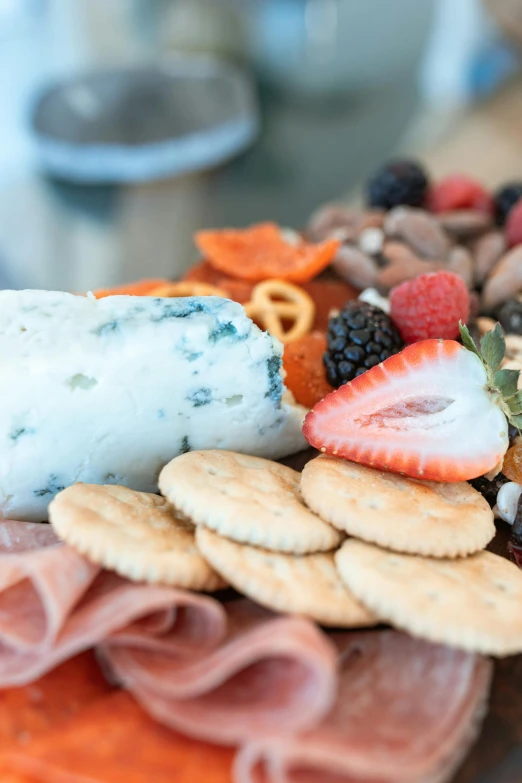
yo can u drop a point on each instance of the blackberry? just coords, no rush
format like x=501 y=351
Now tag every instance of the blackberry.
x=505 y=199
x=398 y=182
x=489 y=489
x=360 y=337
x=510 y=316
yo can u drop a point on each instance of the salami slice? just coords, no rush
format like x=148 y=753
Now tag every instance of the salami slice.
x=406 y=712
x=270 y=672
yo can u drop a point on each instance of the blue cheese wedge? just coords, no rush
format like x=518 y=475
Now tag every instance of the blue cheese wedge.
x=108 y=391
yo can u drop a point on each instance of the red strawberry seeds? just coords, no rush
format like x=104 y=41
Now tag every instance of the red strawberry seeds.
x=430 y=306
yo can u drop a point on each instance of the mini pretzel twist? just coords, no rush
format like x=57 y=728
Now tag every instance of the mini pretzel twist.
x=187 y=288
x=275 y=301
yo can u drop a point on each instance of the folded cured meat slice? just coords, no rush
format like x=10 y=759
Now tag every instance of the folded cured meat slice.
x=406 y=712
x=174 y=619
x=54 y=604
x=38 y=590
x=270 y=673
x=115 y=741
x=23 y=536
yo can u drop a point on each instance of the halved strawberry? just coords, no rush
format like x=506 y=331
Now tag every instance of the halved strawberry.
x=437 y=411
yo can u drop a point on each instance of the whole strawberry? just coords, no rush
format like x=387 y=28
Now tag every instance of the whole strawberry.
x=438 y=410
x=430 y=307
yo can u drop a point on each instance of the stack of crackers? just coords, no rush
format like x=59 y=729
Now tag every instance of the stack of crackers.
x=345 y=545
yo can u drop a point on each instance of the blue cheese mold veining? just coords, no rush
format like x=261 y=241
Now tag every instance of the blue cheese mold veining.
x=119 y=386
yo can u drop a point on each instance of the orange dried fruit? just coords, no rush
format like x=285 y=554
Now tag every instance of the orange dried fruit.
x=512 y=467
x=264 y=251
x=238 y=290
x=138 y=288
x=305 y=372
x=328 y=295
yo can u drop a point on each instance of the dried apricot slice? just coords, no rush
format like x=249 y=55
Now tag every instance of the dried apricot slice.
x=263 y=251
x=328 y=295
x=305 y=372
x=512 y=467
x=138 y=288
x=238 y=290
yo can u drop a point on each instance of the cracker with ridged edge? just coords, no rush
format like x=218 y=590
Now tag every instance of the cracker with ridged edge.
x=248 y=499
x=308 y=585
x=136 y=534
x=473 y=602
x=406 y=515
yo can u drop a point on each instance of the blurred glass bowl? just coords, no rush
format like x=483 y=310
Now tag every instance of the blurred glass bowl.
x=147 y=123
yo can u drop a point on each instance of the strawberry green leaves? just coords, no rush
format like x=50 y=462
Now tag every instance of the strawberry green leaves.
x=467 y=340
x=506 y=382
x=502 y=384
x=493 y=348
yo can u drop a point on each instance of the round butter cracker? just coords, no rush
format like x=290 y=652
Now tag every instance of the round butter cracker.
x=308 y=585
x=473 y=603
x=396 y=512
x=248 y=499
x=136 y=534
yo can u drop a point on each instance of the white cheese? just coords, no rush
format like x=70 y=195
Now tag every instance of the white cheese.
x=109 y=391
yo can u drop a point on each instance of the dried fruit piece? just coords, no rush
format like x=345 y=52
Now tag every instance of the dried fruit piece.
x=512 y=467
x=238 y=290
x=305 y=372
x=263 y=251
x=328 y=295
x=187 y=288
x=138 y=288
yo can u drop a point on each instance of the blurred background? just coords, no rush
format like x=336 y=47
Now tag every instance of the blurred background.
x=126 y=125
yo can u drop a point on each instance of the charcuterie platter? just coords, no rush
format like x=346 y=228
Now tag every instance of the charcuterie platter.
x=262 y=525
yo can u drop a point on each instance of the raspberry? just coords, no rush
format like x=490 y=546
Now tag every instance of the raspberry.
x=459 y=192
x=430 y=306
x=514 y=225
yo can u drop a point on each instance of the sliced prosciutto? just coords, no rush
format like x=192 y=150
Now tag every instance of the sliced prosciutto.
x=406 y=711
x=269 y=672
